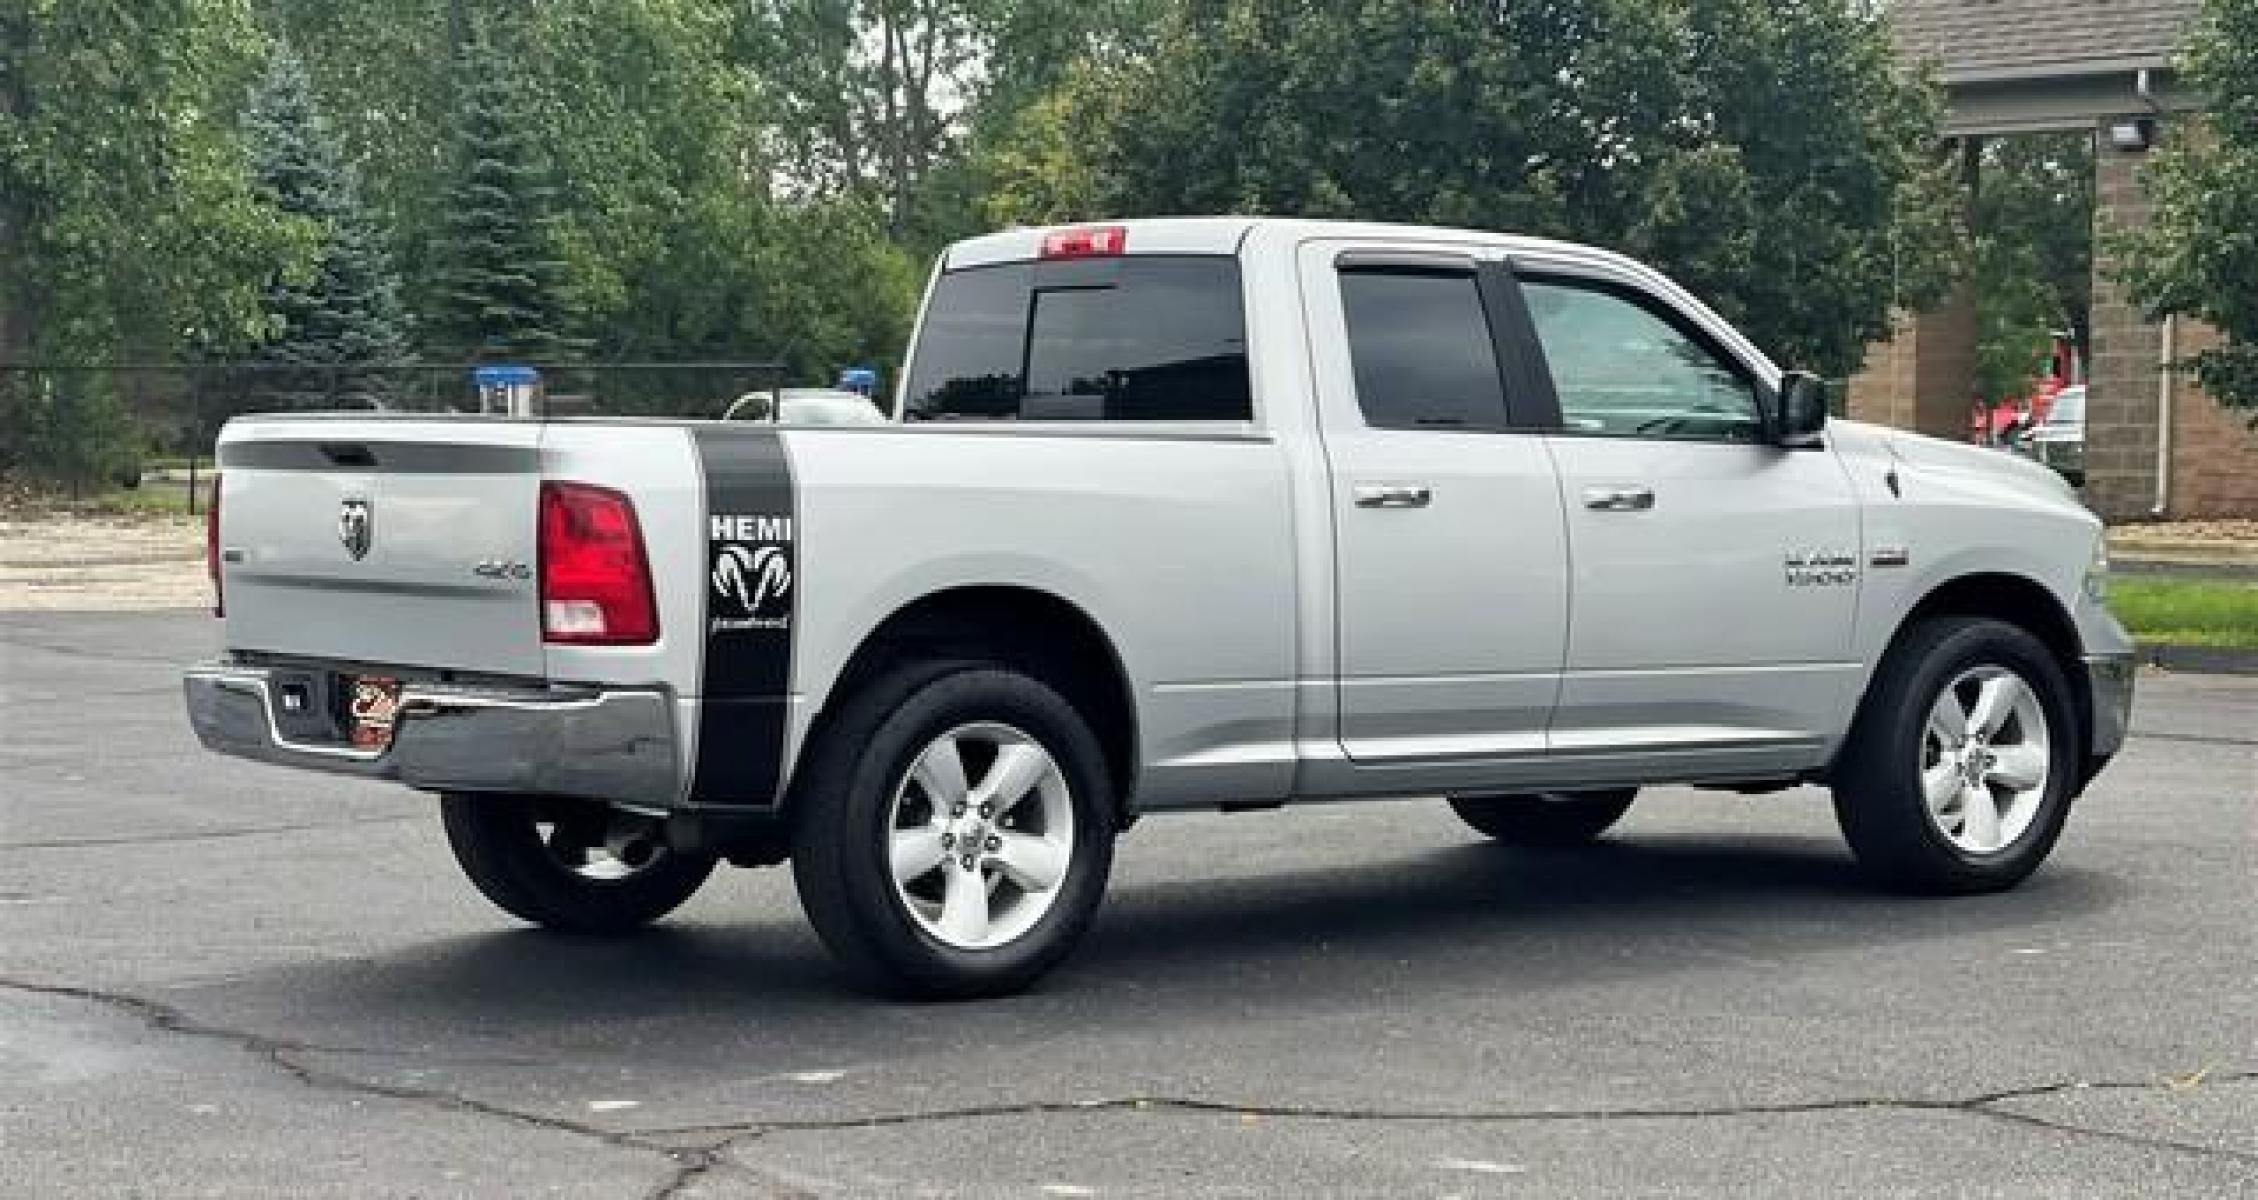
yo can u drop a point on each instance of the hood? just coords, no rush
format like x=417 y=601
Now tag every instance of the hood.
x=1922 y=452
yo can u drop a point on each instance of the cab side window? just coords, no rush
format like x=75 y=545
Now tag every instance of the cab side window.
x=1623 y=369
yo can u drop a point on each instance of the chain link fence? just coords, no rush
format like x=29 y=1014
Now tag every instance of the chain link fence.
x=95 y=429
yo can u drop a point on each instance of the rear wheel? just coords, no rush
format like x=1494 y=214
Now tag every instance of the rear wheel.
x=570 y=865
x=1958 y=775
x=1545 y=818
x=954 y=832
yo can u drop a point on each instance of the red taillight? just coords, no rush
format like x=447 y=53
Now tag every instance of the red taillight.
x=595 y=579
x=1090 y=241
x=212 y=549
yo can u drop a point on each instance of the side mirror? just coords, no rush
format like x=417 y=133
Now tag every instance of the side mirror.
x=1803 y=410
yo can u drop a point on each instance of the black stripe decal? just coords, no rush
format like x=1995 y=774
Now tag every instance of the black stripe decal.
x=752 y=579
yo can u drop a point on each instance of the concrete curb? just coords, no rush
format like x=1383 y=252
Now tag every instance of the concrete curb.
x=2219 y=554
x=2165 y=568
x=2200 y=660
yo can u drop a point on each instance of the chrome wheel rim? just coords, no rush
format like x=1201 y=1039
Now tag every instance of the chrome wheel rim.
x=980 y=836
x=1985 y=757
x=607 y=846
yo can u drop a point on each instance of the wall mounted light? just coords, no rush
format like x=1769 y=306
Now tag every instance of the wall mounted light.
x=2132 y=135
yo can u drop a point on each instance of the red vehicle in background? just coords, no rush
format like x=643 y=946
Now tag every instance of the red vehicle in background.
x=2006 y=423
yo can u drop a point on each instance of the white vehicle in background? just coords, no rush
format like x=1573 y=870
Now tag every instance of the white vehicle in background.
x=1180 y=515
x=2060 y=440
x=807 y=406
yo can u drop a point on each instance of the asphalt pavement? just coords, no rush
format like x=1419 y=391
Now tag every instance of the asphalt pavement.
x=218 y=978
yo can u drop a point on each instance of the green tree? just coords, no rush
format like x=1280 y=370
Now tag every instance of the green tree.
x=2199 y=256
x=869 y=96
x=1029 y=50
x=900 y=101
x=383 y=75
x=501 y=286
x=686 y=222
x=836 y=290
x=342 y=317
x=1773 y=157
x=623 y=171
x=128 y=224
x=2033 y=256
x=691 y=234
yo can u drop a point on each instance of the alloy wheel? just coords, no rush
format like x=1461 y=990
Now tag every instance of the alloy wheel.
x=980 y=836
x=1985 y=758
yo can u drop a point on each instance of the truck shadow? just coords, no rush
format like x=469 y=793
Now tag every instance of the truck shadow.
x=1473 y=920
x=1461 y=912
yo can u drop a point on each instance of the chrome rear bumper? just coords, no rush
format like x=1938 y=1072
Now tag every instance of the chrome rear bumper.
x=598 y=744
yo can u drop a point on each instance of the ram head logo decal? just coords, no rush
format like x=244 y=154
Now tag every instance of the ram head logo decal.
x=755 y=579
x=356 y=526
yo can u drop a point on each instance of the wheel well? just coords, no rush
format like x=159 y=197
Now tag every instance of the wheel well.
x=1030 y=630
x=2028 y=606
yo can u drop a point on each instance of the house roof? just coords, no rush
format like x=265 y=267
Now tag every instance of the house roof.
x=1977 y=41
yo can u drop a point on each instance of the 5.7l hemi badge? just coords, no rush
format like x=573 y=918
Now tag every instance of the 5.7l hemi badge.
x=749 y=564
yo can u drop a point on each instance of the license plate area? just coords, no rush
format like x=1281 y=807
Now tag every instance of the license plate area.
x=372 y=710
x=334 y=708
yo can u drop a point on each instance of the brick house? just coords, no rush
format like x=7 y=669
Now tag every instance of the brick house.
x=2156 y=445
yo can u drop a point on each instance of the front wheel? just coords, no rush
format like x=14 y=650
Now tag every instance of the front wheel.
x=569 y=865
x=1545 y=818
x=1958 y=774
x=954 y=833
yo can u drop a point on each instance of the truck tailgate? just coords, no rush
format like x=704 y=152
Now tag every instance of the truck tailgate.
x=384 y=541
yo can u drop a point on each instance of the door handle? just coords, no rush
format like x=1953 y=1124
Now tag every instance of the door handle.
x=1393 y=495
x=1619 y=499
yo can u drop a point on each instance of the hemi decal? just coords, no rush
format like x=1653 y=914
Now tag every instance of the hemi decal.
x=752 y=580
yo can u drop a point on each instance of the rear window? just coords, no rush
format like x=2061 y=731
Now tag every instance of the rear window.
x=1148 y=338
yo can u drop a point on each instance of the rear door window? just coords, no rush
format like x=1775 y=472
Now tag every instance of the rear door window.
x=1419 y=342
x=1149 y=338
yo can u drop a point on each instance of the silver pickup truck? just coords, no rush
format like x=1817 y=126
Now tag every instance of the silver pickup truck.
x=1175 y=514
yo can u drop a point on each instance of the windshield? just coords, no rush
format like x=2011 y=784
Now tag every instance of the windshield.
x=2069 y=408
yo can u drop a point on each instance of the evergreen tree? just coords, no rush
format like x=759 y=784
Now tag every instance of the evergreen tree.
x=502 y=287
x=339 y=320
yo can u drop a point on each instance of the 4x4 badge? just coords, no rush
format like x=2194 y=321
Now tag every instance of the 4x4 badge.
x=356 y=527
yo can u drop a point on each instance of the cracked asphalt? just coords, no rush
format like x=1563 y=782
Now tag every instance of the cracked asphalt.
x=222 y=979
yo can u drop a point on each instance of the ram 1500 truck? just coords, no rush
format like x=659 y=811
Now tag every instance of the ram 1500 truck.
x=1176 y=514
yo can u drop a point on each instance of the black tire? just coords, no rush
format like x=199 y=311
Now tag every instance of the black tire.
x=843 y=820
x=498 y=841
x=1545 y=818
x=1877 y=778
